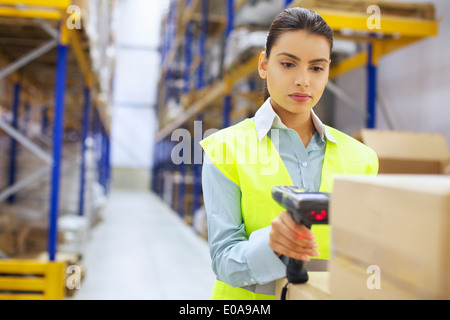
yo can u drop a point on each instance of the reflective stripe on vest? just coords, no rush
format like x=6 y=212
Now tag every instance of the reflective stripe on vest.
x=255 y=166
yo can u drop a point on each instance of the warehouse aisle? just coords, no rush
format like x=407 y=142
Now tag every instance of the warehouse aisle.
x=143 y=250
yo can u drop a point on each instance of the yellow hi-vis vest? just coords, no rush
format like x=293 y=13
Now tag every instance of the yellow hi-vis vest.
x=256 y=167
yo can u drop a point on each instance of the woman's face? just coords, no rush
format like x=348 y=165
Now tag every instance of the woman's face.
x=296 y=71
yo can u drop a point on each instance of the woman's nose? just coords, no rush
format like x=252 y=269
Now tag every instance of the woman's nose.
x=302 y=80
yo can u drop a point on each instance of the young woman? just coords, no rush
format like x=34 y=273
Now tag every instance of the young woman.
x=285 y=143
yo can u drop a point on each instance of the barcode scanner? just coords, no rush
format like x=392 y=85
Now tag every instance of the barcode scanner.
x=305 y=208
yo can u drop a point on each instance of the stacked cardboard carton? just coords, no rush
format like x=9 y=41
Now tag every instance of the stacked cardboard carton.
x=390 y=237
x=317 y=288
x=408 y=152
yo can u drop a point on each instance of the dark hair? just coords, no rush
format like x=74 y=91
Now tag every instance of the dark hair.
x=293 y=19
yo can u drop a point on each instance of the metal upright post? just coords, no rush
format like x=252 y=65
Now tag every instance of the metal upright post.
x=371 y=88
x=13 y=150
x=58 y=131
x=26 y=119
x=227 y=110
x=103 y=156
x=197 y=187
x=181 y=189
x=163 y=167
x=107 y=162
x=230 y=18
x=288 y=3
x=157 y=165
x=202 y=44
x=104 y=160
x=229 y=29
x=168 y=166
x=84 y=135
x=197 y=168
x=182 y=166
x=98 y=145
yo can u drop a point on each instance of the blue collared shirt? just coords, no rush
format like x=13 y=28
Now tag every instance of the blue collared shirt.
x=237 y=260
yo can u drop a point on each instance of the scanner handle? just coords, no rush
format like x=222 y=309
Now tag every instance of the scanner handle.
x=295 y=271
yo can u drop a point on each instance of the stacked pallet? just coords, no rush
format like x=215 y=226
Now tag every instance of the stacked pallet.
x=25 y=222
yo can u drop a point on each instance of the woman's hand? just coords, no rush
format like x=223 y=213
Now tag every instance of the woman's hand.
x=291 y=239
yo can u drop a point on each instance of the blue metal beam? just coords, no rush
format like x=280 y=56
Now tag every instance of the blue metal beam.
x=155 y=164
x=103 y=151
x=197 y=189
x=58 y=131
x=181 y=189
x=202 y=44
x=228 y=30
x=84 y=135
x=230 y=18
x=13 y=148
x=165 y=165
x=227 y=111
x=371 y=89
x=26 y=119
x=159 y=169
x=107 y=162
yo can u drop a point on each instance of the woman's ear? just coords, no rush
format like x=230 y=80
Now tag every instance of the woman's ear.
x=262 y=65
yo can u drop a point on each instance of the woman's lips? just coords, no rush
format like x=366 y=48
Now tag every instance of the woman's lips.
x=300 y=97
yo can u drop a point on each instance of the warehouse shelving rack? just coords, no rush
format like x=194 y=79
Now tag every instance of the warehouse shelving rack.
x=60 y=62
x=402 y=24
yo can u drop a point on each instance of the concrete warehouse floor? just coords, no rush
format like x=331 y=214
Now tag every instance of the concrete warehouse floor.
x=143 y=250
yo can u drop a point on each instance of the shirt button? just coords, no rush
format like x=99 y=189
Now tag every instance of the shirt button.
x=304 y=164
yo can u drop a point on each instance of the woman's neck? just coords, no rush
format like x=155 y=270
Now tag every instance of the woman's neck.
x=302 y=123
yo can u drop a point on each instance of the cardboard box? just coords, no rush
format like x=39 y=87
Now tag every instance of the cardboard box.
x=399 y=223
x=408 y=152
x=350 y=281
x=317 y=288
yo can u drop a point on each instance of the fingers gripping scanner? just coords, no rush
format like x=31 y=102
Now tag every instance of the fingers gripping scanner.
x=306 y=208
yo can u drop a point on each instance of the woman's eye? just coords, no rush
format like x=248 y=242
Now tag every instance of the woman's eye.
x=287 y=64
x=317 y=68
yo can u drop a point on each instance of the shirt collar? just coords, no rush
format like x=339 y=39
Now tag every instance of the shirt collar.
x=266 y=118
x=320 y=127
